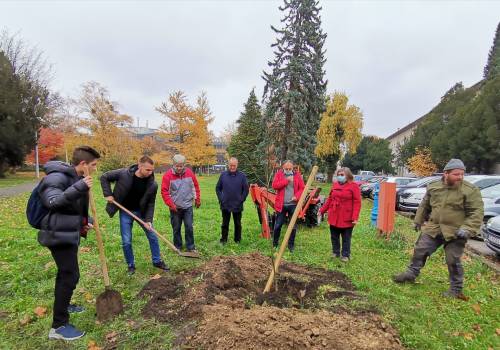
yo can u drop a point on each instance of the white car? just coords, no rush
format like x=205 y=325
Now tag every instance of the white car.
x=410 y=199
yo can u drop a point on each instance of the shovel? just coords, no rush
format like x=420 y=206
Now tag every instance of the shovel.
x=109 y=303
x=194 y=255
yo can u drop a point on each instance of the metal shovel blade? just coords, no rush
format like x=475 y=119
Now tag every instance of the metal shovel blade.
x=108 y=304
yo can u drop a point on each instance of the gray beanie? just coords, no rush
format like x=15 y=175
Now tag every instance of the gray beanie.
x=454 y=164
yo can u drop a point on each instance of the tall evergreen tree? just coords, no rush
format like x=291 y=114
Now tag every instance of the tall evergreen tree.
x=249 y=134
x=492 y=67
x=294 y=91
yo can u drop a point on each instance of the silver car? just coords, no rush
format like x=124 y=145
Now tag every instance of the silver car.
x=491 y=234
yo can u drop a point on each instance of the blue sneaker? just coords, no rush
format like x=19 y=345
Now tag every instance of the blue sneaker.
x=67 y=332
x=75 y=309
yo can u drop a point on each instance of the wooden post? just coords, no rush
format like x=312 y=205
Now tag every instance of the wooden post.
x=98 y=237
x=291 y=224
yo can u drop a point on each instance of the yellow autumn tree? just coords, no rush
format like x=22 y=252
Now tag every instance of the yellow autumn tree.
x=421 y=163
x=186 y=128
x=101 y=126
x=339 y=131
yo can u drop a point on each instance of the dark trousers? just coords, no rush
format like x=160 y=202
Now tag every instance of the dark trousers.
x=226 y=216
x=280 y=220
x=68 y=274
x=346 y=234
x=176 y=220
x=426 y=245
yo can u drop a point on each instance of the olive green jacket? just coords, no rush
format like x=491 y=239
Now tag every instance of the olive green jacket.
x=446 y=209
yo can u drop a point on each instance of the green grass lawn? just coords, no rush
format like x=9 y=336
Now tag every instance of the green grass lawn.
x=17 y=179
x=425 y=319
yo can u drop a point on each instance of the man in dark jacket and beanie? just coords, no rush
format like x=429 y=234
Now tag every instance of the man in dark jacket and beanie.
x=64 y=191
x=232 y=190
x=135 y=189
x=450 y=213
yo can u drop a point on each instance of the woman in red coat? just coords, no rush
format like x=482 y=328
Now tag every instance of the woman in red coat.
x=343 y=206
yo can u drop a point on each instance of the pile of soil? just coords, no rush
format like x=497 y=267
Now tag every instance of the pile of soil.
x=220 y=305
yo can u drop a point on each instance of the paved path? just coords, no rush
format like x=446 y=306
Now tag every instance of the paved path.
x=480 y=247
x=17 y=189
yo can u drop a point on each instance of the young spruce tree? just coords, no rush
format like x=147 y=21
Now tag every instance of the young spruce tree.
x=249 y=134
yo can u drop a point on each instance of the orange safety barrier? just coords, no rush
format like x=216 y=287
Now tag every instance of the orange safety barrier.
x=386 y=208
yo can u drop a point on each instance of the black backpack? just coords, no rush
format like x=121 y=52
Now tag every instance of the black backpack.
x=35 y=210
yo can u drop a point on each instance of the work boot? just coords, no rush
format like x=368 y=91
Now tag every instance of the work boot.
x=131 y=270
x=161 y=265
x=455 y=294
x=344 y=259
x=404 y=277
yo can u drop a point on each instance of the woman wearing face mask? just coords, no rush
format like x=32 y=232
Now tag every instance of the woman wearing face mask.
x=343 y=206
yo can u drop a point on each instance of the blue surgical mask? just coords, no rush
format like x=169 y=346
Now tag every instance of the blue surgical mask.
x=341 y=179
x=288 y=173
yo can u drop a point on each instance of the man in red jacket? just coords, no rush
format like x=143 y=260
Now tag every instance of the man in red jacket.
x=289 y=186
x=179 y=188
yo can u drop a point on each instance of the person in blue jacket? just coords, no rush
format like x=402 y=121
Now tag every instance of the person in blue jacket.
x=232 y=190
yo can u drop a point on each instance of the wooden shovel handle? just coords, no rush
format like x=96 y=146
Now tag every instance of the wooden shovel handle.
x=289 y=230
x=100 y=245
x=139 y=220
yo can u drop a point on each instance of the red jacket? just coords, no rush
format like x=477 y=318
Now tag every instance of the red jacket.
x=179 y=191
x=279 y=184
x=343 y=204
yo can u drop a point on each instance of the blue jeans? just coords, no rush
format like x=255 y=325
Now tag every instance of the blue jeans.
x=126 y=222
x=280 y=220
x=176 y=219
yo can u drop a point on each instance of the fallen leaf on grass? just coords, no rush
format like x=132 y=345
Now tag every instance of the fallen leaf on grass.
x=155 y=277
x=25 y=320
x=84 y=249
x=468 y=336
x=92 y=345
x=466 y=258
x=88 y=297
x=111 y=337
x=497 y=331
x=477 y=328
x=49 y=265
x=477 y=309
x=40 y=311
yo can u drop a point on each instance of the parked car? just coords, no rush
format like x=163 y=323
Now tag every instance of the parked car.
x=491 y=200
x=362 y=179
x=398 y=180
x=367 y=188
x=366 y=173
x=483 y=181
x=410 y=199
x=491 y=234
x=320 y=177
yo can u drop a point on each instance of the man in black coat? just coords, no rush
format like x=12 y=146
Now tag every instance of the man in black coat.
x=64 y=191
x=135 y=189
x=232 y=190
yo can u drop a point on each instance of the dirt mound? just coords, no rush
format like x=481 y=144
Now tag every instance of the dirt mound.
x=273 y=328
x=220 y=305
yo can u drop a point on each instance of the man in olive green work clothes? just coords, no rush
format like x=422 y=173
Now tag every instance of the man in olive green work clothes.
x=450 y=213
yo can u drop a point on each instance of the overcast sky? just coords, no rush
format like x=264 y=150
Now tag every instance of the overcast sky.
x=394 y=59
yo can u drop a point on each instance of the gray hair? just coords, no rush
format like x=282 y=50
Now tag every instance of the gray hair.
x=179 y=158
x=233 y=159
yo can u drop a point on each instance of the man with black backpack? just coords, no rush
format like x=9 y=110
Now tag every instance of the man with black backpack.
x=64 y=192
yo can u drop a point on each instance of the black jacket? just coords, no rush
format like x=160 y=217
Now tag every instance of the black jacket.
x=232 y=190
x=124 y=178
x=65 y=194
